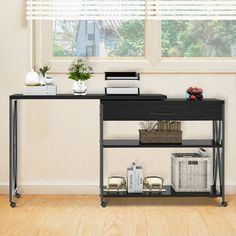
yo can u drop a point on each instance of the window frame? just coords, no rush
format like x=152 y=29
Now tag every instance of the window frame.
x=151 y=62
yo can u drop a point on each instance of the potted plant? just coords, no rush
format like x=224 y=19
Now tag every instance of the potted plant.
x=80 y=73
x=43 y=70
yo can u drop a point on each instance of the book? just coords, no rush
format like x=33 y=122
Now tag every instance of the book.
x=131 y=178
x=139 y=179
x=175 y=126
x=122 y=91
x=121 y=76
x=40 y=90
x=135 y=179
x=164 y=126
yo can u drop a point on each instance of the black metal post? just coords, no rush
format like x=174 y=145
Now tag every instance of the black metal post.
x=217 y=153
x=15 y=144
x=103 y=203
x=11 y=151
x=214 y=155
x=13 y=185
x=16 y=150
x=219 y=141
x=223 y=202
x=218 y=156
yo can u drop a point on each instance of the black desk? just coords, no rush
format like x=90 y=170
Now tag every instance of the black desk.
x=143 y=107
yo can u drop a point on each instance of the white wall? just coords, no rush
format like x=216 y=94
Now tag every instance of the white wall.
x=58 y=140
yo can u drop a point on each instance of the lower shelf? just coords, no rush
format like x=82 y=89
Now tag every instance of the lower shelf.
x=168 y=193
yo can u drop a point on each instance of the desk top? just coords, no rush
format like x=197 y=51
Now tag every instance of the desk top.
x=142 y=97
x=91 y=96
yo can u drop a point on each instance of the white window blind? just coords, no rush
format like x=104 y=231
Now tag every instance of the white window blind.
x=130 y=9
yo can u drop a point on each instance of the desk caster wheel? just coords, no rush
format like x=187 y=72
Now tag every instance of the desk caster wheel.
x=18 y=195
x=12 y=204
x=103 y=204
x=224 y=204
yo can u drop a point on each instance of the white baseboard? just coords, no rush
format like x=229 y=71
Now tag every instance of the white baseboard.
x=54 y=189
x=73 y=189
x=230 y=189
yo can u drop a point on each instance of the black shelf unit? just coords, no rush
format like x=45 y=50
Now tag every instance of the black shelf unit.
x=170 y=109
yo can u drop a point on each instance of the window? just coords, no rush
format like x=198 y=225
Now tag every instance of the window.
x=198 y=38
x=116 y=38
x=149 y=46
x=97 y=38
x=162 y=40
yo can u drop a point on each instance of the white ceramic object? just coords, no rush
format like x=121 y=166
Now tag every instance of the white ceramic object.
x=32 y=77
x=48 y=80
x=80 y=87
x=116 y=182
x=153 y=182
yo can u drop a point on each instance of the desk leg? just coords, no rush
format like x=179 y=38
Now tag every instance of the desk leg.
x=103 y=203
x=218 y=153
x=13 y=152
x=214 y=157
x=219 y=157
x=222 y=166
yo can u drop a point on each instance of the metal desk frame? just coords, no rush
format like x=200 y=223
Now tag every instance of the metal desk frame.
x=218 y=145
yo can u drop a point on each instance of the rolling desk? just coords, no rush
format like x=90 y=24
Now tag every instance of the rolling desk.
x=136 y=108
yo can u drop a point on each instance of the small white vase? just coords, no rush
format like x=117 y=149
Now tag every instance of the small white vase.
x=48 y=80
x=80 y=87
x=32 y=77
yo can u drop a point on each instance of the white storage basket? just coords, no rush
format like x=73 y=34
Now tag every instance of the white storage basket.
x=190 y=172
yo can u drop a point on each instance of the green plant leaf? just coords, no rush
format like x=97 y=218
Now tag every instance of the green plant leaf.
x=80 y=71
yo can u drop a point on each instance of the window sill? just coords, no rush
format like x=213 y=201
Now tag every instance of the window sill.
x=144 y=66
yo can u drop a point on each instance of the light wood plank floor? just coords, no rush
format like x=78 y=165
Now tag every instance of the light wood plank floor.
x=69 y=215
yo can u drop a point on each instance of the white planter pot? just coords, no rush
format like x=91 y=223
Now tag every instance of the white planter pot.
x=80 y=87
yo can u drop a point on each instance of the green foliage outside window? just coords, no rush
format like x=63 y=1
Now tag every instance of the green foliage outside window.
x=178 y=39
x=131 y=34
x=198 y=38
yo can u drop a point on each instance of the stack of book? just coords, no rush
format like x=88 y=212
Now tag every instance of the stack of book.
x=169 y=126
x=135 y=179
x=40 y=90
x=128 y=76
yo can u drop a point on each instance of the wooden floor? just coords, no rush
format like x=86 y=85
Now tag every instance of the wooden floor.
x=50 y=215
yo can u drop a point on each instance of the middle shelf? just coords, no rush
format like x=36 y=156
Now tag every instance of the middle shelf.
x=134 y=143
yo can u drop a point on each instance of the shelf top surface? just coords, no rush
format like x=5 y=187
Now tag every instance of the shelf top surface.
x=145 y=97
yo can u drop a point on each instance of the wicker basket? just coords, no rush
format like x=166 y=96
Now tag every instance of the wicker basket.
x=190 y=172
x=157 y=136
